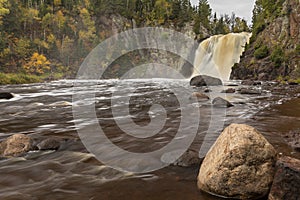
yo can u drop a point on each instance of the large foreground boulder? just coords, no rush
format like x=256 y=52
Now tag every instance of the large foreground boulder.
x=15 y=145
x=204 y=80
x=241 y=164
x=286 y=182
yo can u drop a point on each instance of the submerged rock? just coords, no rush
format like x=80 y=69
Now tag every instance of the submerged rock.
x=204 y=80
x=6 y=95
x=241 y=164
x=221 y=103
x=16 y=145
x=287 y=180
x=229 y=90
x=199 y=96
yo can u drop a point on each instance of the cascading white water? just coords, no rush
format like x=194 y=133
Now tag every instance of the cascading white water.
x=216 y=55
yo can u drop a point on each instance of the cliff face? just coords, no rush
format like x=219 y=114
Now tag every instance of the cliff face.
x=274 y=52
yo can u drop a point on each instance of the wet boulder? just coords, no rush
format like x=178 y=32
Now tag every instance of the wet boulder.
x=16 y=145
x=229 y=90
x=293 y=139
x=250 y=91
x=207 y=90
x=199 y=96
x=240 y=164
x=221 y=103
x=287 y=179
x=188 y=159
x=49 y=144
x=247 y=82
x=6 y=95
x=204 y=80
x=250 y=82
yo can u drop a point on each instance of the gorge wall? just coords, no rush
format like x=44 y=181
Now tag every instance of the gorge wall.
x=216 y=55
x=274 y=52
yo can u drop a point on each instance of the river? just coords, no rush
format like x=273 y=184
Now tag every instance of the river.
x=46 y=110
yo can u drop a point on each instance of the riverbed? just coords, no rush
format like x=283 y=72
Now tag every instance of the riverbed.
x=48 y=110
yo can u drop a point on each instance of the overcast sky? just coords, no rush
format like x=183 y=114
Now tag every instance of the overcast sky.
x=241 y=8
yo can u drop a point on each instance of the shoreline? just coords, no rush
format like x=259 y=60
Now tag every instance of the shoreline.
x=22 y=78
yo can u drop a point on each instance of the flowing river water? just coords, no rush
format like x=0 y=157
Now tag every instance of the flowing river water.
x=44 y=110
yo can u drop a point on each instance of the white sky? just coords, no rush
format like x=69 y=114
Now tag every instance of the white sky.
x=241 y=8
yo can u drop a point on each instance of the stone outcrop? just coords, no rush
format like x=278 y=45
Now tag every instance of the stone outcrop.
x=280 y=33
x=241 y=164
x=287 y=180
x=15 y=145
x=204 y=80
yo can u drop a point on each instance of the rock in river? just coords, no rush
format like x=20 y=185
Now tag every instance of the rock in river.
x=16 y=145
x=49 y=144
x=203 y=80
x=250 y=91
x=229 y=90
x=293 y=139
x=241 y=164
x=6 y=95
x=221 y=103
x=199 y=96
x=286 y=182
x=188 y=159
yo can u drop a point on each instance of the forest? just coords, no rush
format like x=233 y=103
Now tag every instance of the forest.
x=52 y=37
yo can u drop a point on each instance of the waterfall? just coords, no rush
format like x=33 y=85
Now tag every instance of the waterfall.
x=216 y=55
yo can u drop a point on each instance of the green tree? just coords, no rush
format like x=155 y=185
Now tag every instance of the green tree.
x=204 y=13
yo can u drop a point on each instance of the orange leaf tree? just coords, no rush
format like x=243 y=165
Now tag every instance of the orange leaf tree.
x=37 y=64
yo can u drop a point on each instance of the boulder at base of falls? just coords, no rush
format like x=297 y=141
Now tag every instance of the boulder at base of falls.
x=6 y=95
x=221 y=103
x=240 y=164
x=204 y=80
x=15 y=145
x=287 y=179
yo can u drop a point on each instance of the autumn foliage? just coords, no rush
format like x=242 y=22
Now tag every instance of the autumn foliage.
x=38 y=64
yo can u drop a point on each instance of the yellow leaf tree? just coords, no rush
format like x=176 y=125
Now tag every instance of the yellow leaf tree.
x=37 y=64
